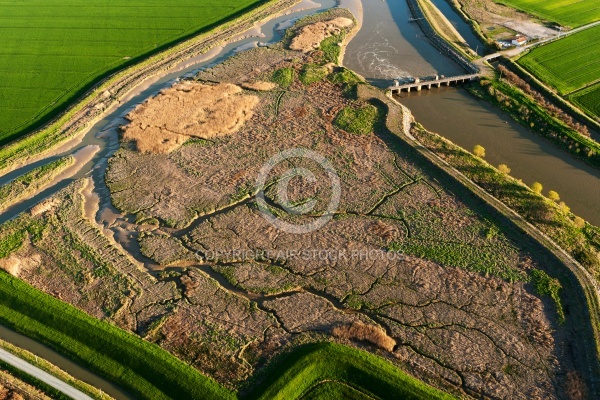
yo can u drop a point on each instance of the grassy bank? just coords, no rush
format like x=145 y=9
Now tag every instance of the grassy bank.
x=532 y=115
x=306 y=368
x=32 y=182
x=141 y=368
x=582 y=242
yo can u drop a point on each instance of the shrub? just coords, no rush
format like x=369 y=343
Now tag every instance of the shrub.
x=479 y=151
x=537 y=187
x=360 y=121
x=554 y=196
x=503 y=168
x=579 y=222
x=284 y=77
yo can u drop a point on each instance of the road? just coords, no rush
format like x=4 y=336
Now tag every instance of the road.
x=43 y=376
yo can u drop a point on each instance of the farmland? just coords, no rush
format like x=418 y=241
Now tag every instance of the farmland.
x=588 y=99
x=52 y=51
x=568 y=64
x=571 y=13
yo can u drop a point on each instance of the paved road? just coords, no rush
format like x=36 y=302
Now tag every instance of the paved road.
x=43 y=376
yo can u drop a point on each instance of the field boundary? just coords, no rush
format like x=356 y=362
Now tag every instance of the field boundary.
x=106 y=94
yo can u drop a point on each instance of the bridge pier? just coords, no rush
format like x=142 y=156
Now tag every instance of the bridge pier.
x=418 y=88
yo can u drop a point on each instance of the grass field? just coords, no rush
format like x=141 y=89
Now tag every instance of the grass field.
x=571 y=13
x=52 y=51
x=568 y=64
x=588 y=99
x=332 y=371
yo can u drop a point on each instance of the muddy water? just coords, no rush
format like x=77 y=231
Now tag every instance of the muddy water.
x=466 y=121
x=460 y=25
x=388 y=46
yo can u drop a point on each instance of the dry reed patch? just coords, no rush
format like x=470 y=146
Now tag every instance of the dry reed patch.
x=13 y=264
x=259 y=86
x=370 y=333
x=190 y=109
x=44 y=207
x=310 y=36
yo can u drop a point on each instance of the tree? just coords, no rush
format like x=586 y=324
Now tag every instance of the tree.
x=537 y=187
x=503 y=168
x=479 y=151
x=552 y=195
x=564 y=207
x=579 y=222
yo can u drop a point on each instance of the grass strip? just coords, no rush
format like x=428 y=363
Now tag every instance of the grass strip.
x=296 y=374
x=141 y=368
x=32 y=181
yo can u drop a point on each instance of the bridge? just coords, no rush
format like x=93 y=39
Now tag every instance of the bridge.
x=418 y=84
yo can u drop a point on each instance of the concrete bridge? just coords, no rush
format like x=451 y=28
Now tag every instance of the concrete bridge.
x=419 y=84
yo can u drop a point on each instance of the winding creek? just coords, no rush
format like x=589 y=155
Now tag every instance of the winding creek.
x=387 y=46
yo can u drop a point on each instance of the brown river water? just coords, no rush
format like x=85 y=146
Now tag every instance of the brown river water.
x=389 y=46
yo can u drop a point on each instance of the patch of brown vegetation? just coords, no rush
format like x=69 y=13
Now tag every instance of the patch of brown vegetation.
x=370 y=333
x=575 y=386
x=310 y=36
x=189 y=109
x=44 y=207
x=14 y=265
x=259 y=86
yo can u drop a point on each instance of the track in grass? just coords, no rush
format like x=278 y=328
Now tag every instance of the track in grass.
x=566 y=12
x=53 y=50
x=568 y=64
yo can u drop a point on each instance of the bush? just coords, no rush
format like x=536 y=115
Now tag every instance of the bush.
x=312 y=73
x=284 y=77
x=554 y=196
x=537 y=187
x=479 y=151
x=360 y=121
x=503 y=168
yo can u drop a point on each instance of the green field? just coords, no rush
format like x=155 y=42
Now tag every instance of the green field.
x=588 y=99
x=149 y=372
x=332 y=371
x=568 y=64
x=571 y=13
x=52 y=51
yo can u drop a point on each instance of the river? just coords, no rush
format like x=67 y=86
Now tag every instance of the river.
x=388 y=46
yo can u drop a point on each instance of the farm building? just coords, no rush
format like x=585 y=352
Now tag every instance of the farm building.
x=518 y=40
